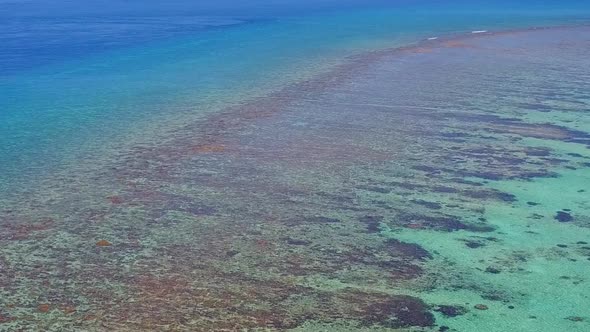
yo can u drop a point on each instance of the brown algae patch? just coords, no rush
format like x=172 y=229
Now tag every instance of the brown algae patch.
x=208 y=148
x=103 y=243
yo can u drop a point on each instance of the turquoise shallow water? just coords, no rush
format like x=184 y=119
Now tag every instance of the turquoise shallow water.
x=282 y=168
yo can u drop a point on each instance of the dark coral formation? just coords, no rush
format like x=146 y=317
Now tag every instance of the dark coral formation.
x=451 y=310
x=563 y=216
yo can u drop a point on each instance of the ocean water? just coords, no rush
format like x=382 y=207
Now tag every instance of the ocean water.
x=76 y=77
x=253 y=166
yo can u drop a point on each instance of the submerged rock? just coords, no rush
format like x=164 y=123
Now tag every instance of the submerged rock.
x=451 y=310
x=562 y=216
x=492 y=270
x=427 y=204
x=473 y=244
x=481 y=307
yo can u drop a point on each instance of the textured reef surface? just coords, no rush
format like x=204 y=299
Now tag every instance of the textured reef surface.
x=440 y=187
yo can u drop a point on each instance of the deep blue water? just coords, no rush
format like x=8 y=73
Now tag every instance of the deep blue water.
x=75 y=77
x=36 y=33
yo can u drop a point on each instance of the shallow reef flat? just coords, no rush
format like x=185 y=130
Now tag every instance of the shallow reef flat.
x=439 y=187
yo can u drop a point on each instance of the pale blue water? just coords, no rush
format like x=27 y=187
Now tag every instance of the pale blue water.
x=77 y=77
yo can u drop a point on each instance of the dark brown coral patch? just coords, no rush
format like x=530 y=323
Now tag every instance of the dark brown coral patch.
x=372 y=223
x=321 y=220
x=451 y=310
x=427 y=204
x=490 y=195
x=413 y=250
x=390 y=311
x=440 y=222
x=400 y=312
x=538 y=152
